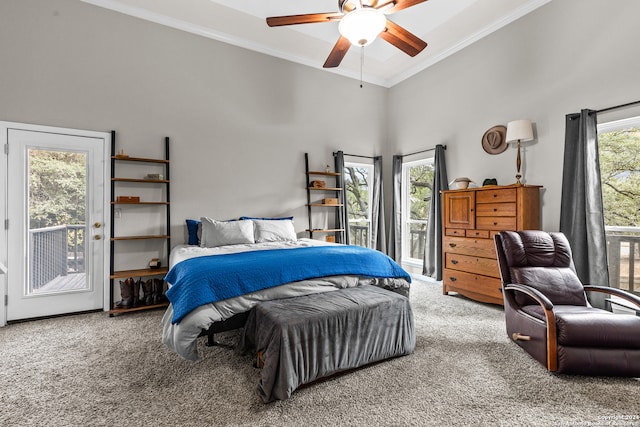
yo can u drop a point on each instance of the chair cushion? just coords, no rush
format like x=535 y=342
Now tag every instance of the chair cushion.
x=595 y=328
x=560 y=285
x=533 y=248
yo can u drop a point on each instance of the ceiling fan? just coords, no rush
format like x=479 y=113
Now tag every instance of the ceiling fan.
x=361 y=21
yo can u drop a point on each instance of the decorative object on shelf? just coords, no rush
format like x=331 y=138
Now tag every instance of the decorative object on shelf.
x=519 y=131
x=128 y=199
x=331 y=239
x=329 y=201
x=318 y=184
x=121 y=155
x=460 y=183
x=154 y=176
x=494 y=140
x=489 y=181
x=154 y=263
x=327 y=169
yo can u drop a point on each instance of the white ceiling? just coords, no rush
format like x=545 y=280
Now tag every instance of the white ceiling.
x=446 y=25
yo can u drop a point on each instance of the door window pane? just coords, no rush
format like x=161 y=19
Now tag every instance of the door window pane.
x=56 y=217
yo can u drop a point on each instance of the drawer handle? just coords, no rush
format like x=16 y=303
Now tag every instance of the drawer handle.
x=453 y=245
x=495 y=209
x=454 y=261
x=453 y=279
x=495 y=195
x=495 y=223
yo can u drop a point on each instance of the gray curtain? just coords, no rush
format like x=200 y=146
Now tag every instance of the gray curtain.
x=378 y=232
x=395 y=224
x=432 y=263
x=581 y=212
x=342 y=218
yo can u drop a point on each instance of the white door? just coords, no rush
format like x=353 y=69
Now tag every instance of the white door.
x=56 y=234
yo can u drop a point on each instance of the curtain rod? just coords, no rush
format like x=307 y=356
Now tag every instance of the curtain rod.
x=354 y=155
x=422 y=151
x=616 y=107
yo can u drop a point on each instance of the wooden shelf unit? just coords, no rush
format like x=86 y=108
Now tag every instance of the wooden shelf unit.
x=338 y=195
x=114 y=240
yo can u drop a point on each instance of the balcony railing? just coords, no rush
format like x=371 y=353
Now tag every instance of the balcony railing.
x=55 y=251
x=623 y=252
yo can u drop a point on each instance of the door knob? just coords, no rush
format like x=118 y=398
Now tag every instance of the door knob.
x=97 y=237
x=97 y=225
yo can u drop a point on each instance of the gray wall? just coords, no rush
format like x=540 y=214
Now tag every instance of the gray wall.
x=563 y=57
x=239 y=121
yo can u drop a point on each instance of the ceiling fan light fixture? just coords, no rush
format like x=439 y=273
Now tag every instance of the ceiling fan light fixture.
x=361 y=26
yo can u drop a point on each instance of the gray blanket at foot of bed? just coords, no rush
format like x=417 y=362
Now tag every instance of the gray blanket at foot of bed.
x=305 y=338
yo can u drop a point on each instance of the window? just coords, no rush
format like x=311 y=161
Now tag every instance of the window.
x=619 y=151
x=357 y=179
x=417 y=179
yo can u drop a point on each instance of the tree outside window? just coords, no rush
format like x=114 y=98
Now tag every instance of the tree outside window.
x=357 y=178
x=417 y=194
x=619 y=151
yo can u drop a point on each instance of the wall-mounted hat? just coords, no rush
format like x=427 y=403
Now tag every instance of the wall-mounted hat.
x=494 y=140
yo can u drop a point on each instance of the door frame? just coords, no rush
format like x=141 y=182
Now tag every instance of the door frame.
x=4 y=130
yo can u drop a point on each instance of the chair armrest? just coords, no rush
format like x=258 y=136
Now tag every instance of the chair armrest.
x=550 y=320
x=614 y=291
x=532 y=292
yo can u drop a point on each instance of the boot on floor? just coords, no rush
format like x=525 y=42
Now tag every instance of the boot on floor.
x=158 y=289
x=126 y=290
x=147 y=290
x=136 y=293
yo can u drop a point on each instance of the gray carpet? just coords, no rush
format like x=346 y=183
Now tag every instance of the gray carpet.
x=92 y=370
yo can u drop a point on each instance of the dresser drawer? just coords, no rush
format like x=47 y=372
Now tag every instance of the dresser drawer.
x=472 y=264
x=478 y=287
x=496 y=196
x=496 y=209
x=454 y=232
x=466 y=246
x=482 y=234
x=496 y=223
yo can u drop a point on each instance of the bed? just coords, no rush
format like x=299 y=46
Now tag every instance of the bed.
x=233 y=265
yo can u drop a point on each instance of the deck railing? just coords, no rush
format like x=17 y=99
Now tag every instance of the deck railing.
x=55 y=251
x=623 y=251
x=359 y=235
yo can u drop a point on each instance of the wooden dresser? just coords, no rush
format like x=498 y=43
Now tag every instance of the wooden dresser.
x=471 y=218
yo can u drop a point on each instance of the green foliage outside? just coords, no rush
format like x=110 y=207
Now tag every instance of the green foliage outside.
x=620 y=175
x=421 y=181
x=357 y=185
x=56 y=188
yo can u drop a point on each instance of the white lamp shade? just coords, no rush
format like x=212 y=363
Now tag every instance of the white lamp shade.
x=362 y=26
x=519 y=130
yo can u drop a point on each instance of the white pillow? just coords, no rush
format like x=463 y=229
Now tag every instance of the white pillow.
x=221 y=233
x=278 y=230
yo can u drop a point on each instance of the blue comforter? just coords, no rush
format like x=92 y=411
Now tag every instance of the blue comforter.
x=207 y=279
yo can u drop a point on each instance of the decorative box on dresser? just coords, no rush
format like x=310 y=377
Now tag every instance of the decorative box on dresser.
x=471 y=218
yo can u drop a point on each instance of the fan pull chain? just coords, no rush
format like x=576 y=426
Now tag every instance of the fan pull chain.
x=361 y=64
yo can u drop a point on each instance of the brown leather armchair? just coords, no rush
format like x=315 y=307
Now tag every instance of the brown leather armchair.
x=547 y=312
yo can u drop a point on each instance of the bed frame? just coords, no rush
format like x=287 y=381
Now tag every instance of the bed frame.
x=234 y=322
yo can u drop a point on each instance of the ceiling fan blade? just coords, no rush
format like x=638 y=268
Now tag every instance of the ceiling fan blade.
x=309 y=18
x=337 y=53
x=402 y=39
x=393 y=6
